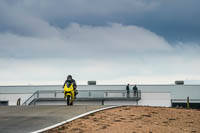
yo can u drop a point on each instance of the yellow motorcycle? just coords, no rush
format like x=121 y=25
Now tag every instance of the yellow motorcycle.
x=69 y=93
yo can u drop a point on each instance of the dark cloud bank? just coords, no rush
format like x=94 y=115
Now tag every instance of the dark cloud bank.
x=140 y=41
x=174 y=20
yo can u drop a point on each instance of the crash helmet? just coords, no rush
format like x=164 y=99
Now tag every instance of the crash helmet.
x=69 y=77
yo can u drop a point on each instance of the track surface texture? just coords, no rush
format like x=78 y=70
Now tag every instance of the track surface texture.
x=23 y=119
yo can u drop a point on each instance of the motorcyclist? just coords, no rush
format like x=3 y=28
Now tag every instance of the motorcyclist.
x=69 y=81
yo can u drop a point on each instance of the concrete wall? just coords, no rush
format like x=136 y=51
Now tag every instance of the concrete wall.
x=65 y=103
x=155 y=99
x=148 y=99
x=177 y=91
x=120 y=103
x=12 y=98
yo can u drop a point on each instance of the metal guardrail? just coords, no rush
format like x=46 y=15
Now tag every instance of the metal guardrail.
x=186 y=103
x=31 y=98
x=84 y=94
x=184 y=100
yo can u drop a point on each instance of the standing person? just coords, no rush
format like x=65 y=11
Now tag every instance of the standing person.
x=18 y=101
x=128 y=91
x=69 y=81
x=135 y=89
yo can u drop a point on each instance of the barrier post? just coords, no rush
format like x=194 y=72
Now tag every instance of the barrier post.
x=188 y=102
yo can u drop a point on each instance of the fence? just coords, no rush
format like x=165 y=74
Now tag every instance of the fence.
x=84 y=94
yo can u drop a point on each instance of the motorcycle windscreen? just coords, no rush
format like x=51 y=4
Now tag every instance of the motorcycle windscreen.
x=68 y=84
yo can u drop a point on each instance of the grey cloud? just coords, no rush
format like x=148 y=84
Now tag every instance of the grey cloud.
x=85 y=42
x=14 y=19
x=42 y=41
x=174 y=20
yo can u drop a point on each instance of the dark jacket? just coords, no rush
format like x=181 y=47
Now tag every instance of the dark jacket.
x=135 y=88
x=71 y=81
x=127 y=88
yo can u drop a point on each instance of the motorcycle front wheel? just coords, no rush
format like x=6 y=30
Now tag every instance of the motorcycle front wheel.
x=68 y=100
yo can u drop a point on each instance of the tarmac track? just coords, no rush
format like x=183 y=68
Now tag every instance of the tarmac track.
x=23 y=119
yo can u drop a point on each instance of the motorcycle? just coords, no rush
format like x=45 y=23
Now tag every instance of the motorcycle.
x=69 y=93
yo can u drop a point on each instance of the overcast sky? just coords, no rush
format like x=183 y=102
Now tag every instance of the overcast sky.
x=112 y=42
